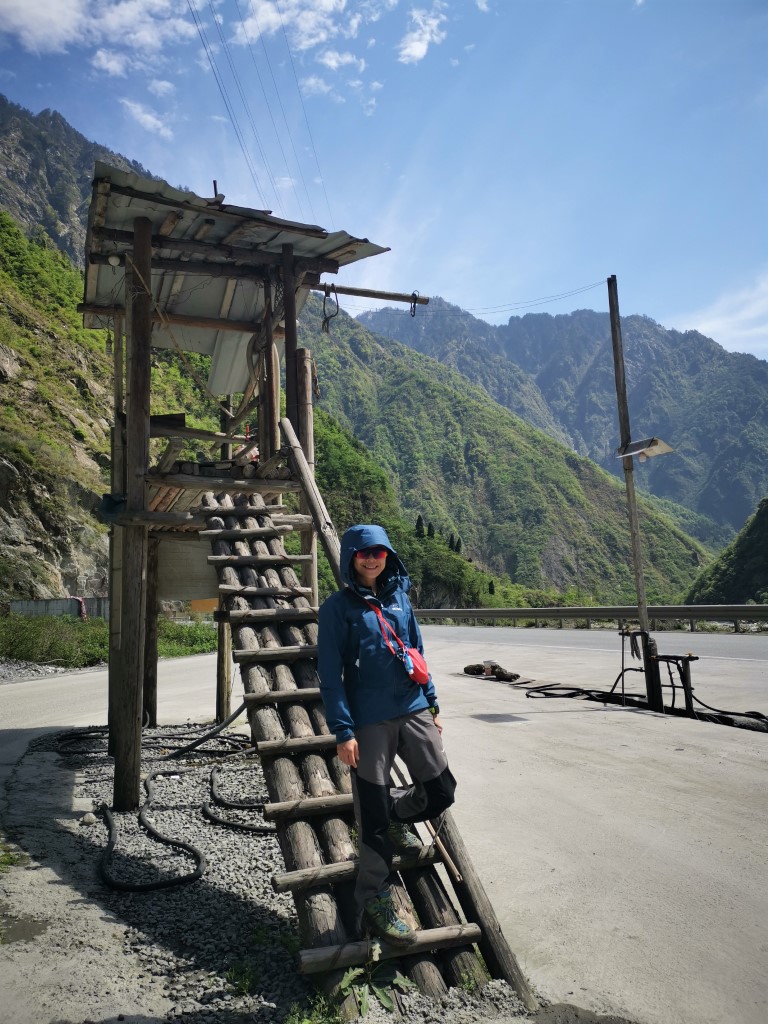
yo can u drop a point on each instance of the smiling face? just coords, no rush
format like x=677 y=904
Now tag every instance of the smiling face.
x=368 y=565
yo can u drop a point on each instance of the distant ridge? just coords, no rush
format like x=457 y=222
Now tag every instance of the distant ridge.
x=556 y=372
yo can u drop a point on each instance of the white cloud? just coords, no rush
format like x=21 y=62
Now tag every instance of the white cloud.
x=482 y=5
x=147 y=118
x=315 y=86
x=737 y=320
x=53 y=26
x=334 y=60
x=159 y=87
x=219 y=118
x=111 y=63
x=454 y=62
x=427 y=29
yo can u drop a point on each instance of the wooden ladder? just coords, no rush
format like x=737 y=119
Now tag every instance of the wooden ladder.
x=274 y=639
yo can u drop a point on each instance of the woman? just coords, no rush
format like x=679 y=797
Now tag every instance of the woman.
x=378 y=711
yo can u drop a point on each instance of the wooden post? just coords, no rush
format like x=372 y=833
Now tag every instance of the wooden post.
x=149 y=693
x=224 y=418
x=223 y=669
x=307 y=435
x=291 y=339
x=127 y=713
x=499 y=958
x=117 y=489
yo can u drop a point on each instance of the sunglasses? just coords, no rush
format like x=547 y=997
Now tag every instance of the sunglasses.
x=372 y=553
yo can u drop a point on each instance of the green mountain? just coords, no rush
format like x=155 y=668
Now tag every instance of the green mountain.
x=709 y=404
x=47 y=170
x=740 y=574
x=55 y=414
x=522 y=503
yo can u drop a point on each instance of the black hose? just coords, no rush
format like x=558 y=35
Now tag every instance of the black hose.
x=244 y=805
x=209 y=735
x=116 y=883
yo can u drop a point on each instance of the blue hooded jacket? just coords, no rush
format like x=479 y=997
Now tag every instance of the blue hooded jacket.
x=361 y=681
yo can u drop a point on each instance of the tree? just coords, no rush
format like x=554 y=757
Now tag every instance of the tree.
x=430 y=530
x=452 y=543
x=419 y=526
x=491 y=587
x=457 y=546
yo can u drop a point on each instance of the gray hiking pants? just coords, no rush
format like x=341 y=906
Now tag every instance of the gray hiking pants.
x=415 y=739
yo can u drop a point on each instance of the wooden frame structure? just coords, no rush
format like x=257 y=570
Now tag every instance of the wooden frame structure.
x=165 y=268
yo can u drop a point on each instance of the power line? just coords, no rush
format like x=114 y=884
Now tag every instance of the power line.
x=304 y=110
x=228 y=106
x=543 y=301
x=255 y=17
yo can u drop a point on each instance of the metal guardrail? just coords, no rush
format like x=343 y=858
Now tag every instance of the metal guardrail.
x=691 y=613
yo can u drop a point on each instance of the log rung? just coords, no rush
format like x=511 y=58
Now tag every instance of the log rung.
x=267 y=615
x=227 y=485
x=234 y=590
x=255 y=531
x=308 y=693
x=309 y=807
x=326 y=958
x=295 y=745
x=239 y=511
x=332 y=874
x=276 y=653
x=223 y=560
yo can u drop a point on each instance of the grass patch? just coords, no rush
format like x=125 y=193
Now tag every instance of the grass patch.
x=69 y=642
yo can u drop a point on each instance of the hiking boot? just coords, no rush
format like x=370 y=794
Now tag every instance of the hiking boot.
x=379 y=914
x=402 y=838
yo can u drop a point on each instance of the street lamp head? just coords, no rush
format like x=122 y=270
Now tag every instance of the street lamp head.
x=644 y=449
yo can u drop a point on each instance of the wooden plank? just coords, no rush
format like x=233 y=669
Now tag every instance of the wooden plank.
x=332 y=874
x=312 y=806
x=236 y=560
x=174 y=319
x=170 y=430
x=296 y=744
x=276 y=654
x=325 y=958
x=307 y=693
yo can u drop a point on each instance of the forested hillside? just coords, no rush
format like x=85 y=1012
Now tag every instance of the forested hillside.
x=520 y=502
x=740 y=573
x=55 y=415
x=709 y=404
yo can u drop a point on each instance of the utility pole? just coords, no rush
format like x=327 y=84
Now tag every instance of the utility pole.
x=626 y=438
x=651 y=666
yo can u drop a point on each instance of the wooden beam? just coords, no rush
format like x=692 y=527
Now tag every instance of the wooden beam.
x=197 y=434
x=255 y=531
x=326 y=958
x=370 y=293
x=291 y=339
x=233 y=589
x=255 y=259
x=174 y=319
x=320 y=516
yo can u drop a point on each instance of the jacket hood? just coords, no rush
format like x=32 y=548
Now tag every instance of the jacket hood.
x=370 y=536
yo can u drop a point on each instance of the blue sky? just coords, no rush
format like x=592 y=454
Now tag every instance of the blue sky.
x=507 y=151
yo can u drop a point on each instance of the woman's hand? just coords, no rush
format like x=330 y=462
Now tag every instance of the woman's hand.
x=438 y=723
x=348 y=752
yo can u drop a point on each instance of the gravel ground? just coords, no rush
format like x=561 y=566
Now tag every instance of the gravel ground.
x=220 y=950
x=12 y=671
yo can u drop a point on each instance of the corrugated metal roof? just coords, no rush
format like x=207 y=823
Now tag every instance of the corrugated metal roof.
x=228 y=249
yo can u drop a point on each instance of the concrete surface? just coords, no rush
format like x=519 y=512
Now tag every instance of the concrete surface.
x=624 y=852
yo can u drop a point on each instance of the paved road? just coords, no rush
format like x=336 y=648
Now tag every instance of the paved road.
x=624 y=852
